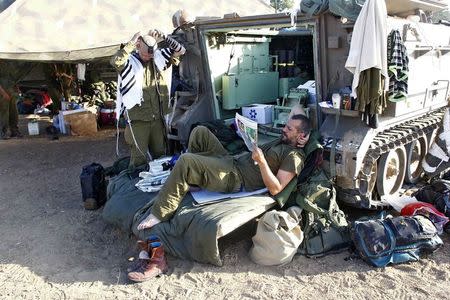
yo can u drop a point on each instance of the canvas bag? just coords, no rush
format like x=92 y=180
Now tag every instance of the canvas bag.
x=277 y=237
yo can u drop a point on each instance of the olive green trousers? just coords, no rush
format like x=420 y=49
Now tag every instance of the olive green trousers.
x=150 y=136
x=207 y=165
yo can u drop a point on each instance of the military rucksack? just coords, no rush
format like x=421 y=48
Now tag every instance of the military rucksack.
x=324 y=225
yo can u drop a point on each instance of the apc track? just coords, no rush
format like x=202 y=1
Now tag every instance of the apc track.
x=367 y=196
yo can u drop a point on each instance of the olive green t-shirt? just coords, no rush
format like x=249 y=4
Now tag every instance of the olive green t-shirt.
x=279 y=157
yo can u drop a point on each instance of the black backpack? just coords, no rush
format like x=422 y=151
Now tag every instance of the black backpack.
x=438 y=194
x=93 y=186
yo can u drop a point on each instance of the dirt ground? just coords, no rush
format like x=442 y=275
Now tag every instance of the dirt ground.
x=51 y=248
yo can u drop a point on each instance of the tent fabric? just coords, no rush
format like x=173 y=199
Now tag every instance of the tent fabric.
x=194 y=231
x=82 y=30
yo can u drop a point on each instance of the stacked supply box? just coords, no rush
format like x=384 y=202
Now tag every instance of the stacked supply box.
x=261 y=113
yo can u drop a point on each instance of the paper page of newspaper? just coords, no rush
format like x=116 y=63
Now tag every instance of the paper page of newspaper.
x=202 y=197
x=248 y=130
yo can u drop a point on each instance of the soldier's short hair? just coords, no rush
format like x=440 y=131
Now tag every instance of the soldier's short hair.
x=305 y=123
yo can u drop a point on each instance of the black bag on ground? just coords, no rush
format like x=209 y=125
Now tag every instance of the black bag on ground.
x=394 y=240
x=438 y=194
x=93 y=186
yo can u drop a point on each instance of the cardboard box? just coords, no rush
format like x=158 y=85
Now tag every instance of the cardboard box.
x=61 y=121
x=261 y=113
x=80 y=122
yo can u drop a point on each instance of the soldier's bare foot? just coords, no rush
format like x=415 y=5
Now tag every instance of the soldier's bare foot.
x=148 y=222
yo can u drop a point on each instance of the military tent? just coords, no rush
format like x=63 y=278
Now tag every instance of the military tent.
x=67 y=30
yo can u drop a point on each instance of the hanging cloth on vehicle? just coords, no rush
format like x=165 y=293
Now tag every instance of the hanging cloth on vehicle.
x=367 y=60
x=371 y=95
x=368 y=48
x=397 y=67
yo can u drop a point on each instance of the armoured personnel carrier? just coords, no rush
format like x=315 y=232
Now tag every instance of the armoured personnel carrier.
x=233 y=62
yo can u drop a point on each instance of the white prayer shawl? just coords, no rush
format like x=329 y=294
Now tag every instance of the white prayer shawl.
x=162 y=58
x=130 y=79
x=368 y=48
x=129 y=85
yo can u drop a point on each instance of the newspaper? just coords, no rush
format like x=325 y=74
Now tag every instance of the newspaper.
x=203 y=197
x=153 y=180
x=248 y=130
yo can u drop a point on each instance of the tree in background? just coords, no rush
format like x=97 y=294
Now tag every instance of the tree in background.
x=281 y=5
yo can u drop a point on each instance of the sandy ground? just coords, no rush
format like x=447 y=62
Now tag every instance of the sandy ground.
x=51 y=248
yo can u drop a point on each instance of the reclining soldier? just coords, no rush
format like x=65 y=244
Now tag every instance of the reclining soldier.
x=208 y=165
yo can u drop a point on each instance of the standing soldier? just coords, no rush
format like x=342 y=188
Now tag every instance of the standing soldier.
x=8 y=111
x=142 y=94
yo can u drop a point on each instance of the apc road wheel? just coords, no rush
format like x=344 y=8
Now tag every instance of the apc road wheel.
x=391 y=171
x=415 y=153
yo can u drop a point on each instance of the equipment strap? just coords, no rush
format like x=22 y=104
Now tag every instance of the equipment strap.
x=333 y=147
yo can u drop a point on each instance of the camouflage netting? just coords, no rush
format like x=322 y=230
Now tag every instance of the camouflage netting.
x=100 y=92
x=345 y=8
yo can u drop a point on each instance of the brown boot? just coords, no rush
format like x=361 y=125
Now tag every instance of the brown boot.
x=156 y=266
x=143 y=246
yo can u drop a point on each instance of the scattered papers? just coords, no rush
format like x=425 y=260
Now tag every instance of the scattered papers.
x=248 y=130
x=204 y=197
x=151 y=183
x=153 y=180
x=156 y=166
x=326 y=104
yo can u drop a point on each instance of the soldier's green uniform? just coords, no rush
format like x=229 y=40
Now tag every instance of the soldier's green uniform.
x=208 y=165
x=9 y=116
x=147 y=120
